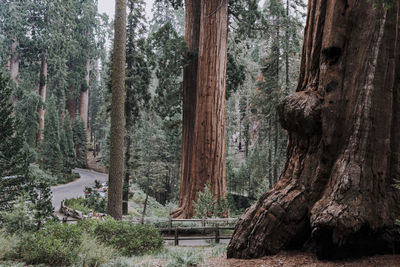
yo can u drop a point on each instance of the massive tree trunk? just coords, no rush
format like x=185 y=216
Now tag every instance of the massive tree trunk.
x=208 y=159
x=203 y=158
x=42 y=93
x=192 y=37
x=117 y=130
x=84 y=97
x=344 y=151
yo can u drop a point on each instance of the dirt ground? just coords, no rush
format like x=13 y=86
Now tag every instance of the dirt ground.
x=295 y=259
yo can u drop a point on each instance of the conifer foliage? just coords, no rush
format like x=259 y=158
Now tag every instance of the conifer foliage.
x=51 y=152
x=12 y=157
x=79 y=140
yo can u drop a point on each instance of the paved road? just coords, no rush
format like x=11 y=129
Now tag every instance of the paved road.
x=76 y=188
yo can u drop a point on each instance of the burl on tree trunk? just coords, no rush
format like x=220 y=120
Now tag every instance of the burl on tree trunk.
x=335 y=194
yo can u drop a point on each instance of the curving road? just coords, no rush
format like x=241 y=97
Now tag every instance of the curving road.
x=77 y=187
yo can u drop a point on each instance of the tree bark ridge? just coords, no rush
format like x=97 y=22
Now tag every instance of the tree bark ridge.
x=336 y=192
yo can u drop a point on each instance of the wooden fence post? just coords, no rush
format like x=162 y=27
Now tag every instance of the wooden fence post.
x=217 y=234
x=176 y=237
x=170 y=224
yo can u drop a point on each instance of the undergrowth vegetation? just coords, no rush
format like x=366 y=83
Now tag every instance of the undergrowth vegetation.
x=89 y=243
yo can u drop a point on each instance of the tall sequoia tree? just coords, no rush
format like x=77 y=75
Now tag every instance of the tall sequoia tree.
x=343 y=154
x=116 y=171
x=203 y=139
x=192 y=36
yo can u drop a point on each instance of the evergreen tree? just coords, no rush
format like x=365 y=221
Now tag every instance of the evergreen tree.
x=13 y=166
x=67 y=144
x=52 y=159
x=137 y=81
x=80 y=140
x=169 y=49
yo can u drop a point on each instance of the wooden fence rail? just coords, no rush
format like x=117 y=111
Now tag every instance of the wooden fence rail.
x=217 y=237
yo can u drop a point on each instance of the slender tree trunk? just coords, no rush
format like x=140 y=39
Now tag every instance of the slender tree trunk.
x=42 y=93
x=84 y=98
x=336 y=190
x=192 y=37
x=116 y=171
x=147 y=197
x=125 y=196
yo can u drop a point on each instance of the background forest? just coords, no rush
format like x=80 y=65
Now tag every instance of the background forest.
x=55 y=54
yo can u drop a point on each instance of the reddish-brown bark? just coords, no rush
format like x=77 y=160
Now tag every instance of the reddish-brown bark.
x=335 y=194
x=203 y=150
x=192 y=36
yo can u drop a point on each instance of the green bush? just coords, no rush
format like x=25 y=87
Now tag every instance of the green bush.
x=55 y=244
x=129 y=239
x=8 y=244
x=184 y=257
x=18 y=220
x=94 y=253
x=95 y=202
x=207 y=205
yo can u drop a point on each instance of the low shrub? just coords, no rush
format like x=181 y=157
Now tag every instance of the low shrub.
x=55 y=244
x=94 y=253
x=184 y=258
x=95 y=202
x=208 y=206
x=18 y=220
x=128 y=238
x=8 y=244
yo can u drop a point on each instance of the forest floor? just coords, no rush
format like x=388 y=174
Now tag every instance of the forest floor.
x=296 y=258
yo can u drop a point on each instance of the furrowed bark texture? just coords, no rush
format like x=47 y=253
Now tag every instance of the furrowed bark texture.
x=335 y=194
x=203 y=157
x=116 y=170
x=192 y=36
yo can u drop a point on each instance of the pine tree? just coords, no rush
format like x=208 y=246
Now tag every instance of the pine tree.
x=67 y=144
x=79 y=140
x=13 y=166
x=51 y=153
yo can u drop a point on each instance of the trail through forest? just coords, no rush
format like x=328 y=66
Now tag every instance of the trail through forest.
x=75 y=188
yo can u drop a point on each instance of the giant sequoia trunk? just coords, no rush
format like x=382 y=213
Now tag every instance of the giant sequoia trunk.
x=192 y=36
x=344 y=141
x=203 y=149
